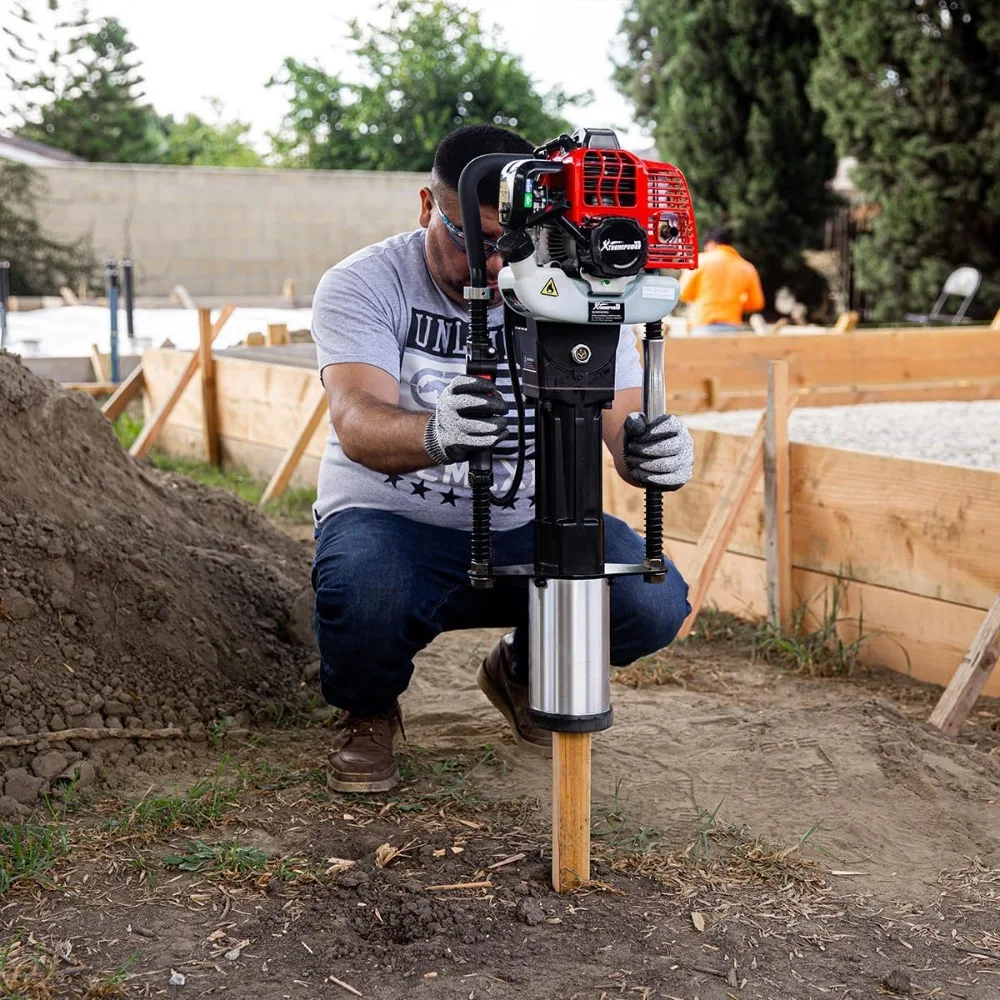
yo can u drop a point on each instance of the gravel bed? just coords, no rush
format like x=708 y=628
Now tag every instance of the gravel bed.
x=952 y=433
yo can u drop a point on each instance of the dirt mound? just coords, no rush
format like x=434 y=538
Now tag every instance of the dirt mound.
x=130 y=598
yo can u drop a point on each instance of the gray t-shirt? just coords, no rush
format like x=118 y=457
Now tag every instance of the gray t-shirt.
x=381 y=307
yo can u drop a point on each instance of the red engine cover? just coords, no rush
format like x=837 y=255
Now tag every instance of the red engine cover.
x=613 y=182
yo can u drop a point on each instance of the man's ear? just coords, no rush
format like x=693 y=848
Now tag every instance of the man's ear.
x=426 y=207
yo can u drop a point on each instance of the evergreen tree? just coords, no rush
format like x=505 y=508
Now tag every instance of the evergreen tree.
x=94 y=103
x=39 y=265
x=722 y=85
x=430 y=70
x=912 y=89
x=35 y=42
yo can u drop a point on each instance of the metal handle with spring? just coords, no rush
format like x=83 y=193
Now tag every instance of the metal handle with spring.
x=654 y=405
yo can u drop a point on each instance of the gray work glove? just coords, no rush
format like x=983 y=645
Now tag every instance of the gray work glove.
x=471 y=414
x=658 y=453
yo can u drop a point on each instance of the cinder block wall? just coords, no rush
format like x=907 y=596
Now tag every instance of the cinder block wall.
x=225 y=231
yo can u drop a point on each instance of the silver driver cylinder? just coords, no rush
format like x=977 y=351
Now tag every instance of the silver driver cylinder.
x=569 y=626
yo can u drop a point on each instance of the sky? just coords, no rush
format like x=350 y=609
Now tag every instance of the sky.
x=196 y=49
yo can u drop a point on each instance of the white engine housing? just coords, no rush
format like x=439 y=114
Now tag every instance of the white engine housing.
x=548 y=293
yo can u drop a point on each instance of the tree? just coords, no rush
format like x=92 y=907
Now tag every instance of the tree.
x=195 y=142
x=94 y=103
x=430 y=70
x=912 y=89
x=39 y=265
x=37 y=37
x=722 y=84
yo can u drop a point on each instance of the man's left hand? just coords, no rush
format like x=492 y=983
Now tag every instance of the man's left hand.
x=659 y=454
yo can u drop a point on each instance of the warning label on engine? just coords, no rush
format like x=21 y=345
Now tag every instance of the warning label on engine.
x=549 y=288
x=606 y=312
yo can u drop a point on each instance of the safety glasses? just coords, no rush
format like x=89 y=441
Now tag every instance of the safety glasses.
x=457 y=237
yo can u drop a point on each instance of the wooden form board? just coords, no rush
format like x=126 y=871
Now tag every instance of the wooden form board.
x=917 y=541
x=261 y=406
x=886 y=365
x=914 y=526
x=862 y=358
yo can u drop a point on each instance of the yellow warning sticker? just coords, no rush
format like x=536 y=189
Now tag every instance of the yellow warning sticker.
x=549 y=288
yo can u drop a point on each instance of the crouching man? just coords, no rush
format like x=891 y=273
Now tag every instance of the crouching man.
x=393 y=512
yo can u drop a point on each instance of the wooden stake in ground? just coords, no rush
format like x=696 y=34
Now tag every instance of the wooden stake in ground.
x=778 y=498
x=715 y=538
x=570 y=810
x=97 y=364
x=152 y=430
x=292 y=457
x=124 y=394
x=971 y=677
x=277 y=335
x=209 y=402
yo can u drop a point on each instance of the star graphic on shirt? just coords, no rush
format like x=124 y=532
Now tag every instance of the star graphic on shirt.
x=392 y=480
x=531 y=500
x=511 y=504
x=419 y=489
x=450 y=497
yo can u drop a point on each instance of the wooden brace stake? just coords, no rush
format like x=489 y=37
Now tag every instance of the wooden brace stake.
x=292 y=457
x=152 y=430
x=124 y=394
x=715 y=538
x=971 y=677
x=570 y=810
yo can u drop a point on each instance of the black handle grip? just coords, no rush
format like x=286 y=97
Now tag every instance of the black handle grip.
x=654 y=406
x=480 y=353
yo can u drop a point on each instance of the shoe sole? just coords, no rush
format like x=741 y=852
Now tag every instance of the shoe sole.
x=378 y=785
x=501 y=705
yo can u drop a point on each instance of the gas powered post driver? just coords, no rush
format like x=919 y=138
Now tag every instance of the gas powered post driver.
x=588 y=227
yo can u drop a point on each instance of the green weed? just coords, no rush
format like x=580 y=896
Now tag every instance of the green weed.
x=202 y=806
x=613 y=827
x=231 y=858
x=708 y=822
x=820 y=651
x=27 y=851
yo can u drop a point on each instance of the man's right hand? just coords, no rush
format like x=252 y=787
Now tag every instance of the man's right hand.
x=471 y=415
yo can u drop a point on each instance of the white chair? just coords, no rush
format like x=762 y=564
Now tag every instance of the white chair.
x=963 y=281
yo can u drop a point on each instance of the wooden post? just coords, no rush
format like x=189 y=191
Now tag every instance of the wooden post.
x=209 y=402
x=777 y=498
x=97 y=364
x=154 y=426
x=124 y=394
x=971 y=677
x=570 y=810
x=292 y=457
x=715 y=538
x=846 y=322
x=68 y=297
x=288 y=292
x=712 y=393
x=277 y=335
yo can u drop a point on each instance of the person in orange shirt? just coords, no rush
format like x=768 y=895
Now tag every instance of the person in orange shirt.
x=722 y=289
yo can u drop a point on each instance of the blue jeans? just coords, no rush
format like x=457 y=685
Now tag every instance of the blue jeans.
x=386 y=586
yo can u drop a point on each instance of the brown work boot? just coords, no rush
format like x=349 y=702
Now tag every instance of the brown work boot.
x=510 y=696
x=362 y=758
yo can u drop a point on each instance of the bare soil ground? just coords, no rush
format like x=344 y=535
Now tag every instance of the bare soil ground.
x=756 y=835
